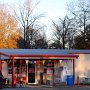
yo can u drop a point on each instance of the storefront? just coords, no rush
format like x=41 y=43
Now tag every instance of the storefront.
x=36 y=66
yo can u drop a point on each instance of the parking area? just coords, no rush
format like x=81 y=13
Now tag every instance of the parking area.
x=51 y=88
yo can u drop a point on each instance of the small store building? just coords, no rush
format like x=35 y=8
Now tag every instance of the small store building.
x=38 y=66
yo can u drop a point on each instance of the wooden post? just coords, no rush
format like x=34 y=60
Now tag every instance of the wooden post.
x=1 y=65
x=53 y=72
x=78 y=81
x=12 y=72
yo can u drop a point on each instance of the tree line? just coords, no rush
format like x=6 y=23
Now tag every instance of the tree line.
x=23 y=29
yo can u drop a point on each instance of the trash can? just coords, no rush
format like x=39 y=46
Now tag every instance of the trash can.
x=70 y=80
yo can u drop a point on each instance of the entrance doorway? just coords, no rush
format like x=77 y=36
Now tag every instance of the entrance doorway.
x=31 y=72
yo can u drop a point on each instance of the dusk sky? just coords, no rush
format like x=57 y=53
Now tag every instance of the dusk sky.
x=53 y=9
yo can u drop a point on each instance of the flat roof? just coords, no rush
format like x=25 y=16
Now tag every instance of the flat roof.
x=43 y=51
x=8 y=53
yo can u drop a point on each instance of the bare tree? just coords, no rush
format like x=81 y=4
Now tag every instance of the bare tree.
x=31 y=36
x=81 y=13
x=63 y=32
x=26 y=17
x=79 y=41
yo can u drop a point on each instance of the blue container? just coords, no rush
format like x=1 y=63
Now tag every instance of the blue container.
x=70 y=80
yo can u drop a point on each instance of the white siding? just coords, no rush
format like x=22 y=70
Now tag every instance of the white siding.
x=5 y=71
x=82 y=66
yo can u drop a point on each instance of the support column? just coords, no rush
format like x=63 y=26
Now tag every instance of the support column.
x=12 y=72
x=53 y=72
x=73 y=70
x=1 y=65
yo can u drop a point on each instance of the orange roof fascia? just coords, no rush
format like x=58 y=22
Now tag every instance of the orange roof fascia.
x=39 y=55
x=44 y=55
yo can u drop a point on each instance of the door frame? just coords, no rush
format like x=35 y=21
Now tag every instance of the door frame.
x=35 y=73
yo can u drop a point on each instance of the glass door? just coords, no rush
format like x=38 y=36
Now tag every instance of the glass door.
x=31 y=72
